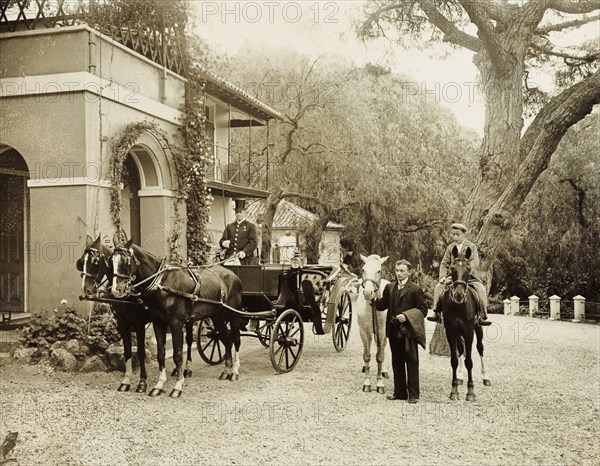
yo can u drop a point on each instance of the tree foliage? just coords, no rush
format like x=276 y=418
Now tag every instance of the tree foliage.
x=358 y=147
x=554 y=245
x=509 y=39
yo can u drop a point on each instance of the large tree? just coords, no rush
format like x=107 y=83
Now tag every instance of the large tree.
x=510 y=39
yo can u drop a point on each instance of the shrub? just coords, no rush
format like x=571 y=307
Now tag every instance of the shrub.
x=64 y=324
x=44 y=329
x=103 y=329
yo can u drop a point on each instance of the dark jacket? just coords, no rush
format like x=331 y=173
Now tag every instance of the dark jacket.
x=447 y=259
x=398 y=301
x=242 y=237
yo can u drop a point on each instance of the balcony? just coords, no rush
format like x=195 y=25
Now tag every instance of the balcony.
x=139 y=30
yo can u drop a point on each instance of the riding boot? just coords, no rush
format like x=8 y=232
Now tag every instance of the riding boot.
x=482 y=322
x=482 y=318
x=436 y=317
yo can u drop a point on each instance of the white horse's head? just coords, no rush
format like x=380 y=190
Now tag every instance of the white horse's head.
x=371 y=274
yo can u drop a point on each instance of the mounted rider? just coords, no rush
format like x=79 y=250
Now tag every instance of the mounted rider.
x=458 y=233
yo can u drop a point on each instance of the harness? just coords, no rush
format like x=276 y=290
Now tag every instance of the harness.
x=470 y=289
x=96 y=257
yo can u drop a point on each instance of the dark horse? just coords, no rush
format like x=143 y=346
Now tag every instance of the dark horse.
x=95 y=269
x=459 y=314
x=183 y=295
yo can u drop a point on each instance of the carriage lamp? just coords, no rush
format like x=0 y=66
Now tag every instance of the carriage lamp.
x=296 y=260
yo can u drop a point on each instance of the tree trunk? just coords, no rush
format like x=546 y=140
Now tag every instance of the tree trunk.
x=510 y=164
x=267 y=223
x=313 y=239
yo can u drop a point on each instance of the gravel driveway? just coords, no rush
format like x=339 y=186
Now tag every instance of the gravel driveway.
x=542 y=408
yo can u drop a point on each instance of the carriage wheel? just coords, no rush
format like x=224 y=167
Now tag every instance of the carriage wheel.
x=287 y=340
x=343 y=322
x=264 y=333
x=210 y=346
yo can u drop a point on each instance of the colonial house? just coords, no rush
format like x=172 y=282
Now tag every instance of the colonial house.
x=70 y=85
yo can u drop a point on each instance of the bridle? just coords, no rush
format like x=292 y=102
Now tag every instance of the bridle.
x=453 y=286
x=96 y=258
x=130 y=261
x=376 y=284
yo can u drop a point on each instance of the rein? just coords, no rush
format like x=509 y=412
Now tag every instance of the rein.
x=157 y=285
x=452 y=287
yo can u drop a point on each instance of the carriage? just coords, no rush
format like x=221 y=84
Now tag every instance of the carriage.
x=278 y=299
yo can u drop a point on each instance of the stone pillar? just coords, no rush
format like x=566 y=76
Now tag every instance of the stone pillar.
x=506 y=307
x=514 y=305
x=533 y=305
x=554 y=307
x=579 y=308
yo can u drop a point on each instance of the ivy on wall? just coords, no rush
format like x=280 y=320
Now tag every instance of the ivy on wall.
x=120 y=150
x=194 y=160
x=192 y=154
x=191 y=159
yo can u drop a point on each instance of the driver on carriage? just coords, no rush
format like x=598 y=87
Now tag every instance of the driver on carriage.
x=239 y=237
x=458 y=233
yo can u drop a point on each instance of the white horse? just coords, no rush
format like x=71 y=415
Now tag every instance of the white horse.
x=370 y=321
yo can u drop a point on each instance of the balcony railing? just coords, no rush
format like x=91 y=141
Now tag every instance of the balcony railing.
x=138 y=30
x=237 y=168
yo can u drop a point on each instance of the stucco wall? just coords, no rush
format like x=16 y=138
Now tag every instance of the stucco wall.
x=51 y=113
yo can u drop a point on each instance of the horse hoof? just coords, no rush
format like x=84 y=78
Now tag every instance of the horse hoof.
x=381 y=390
x=470 y=396
x=155 y=392
x=234 y=377
x=175 y=393
x=364 y=369
x=224 y=376
x=366 y=388
x=385 y=375
x=487 y=382
x=454 y=396
x=174 y=373
x=187 y=373
x=141 y=388
x=124 y=387
x=459 y=381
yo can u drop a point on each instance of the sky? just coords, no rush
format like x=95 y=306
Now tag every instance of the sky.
x=446 y=75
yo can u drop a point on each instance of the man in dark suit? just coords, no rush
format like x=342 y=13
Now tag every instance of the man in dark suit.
x=405 y=328
x=458 y=233
x=239 y=237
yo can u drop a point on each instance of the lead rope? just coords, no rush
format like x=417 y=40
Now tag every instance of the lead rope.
x=375 y=326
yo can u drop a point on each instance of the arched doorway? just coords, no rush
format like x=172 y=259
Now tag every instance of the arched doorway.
x=146 y=195
x=14 y=224
x=131 y=221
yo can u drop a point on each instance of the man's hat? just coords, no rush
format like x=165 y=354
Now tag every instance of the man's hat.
x=240 y=204
x=459 y=226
